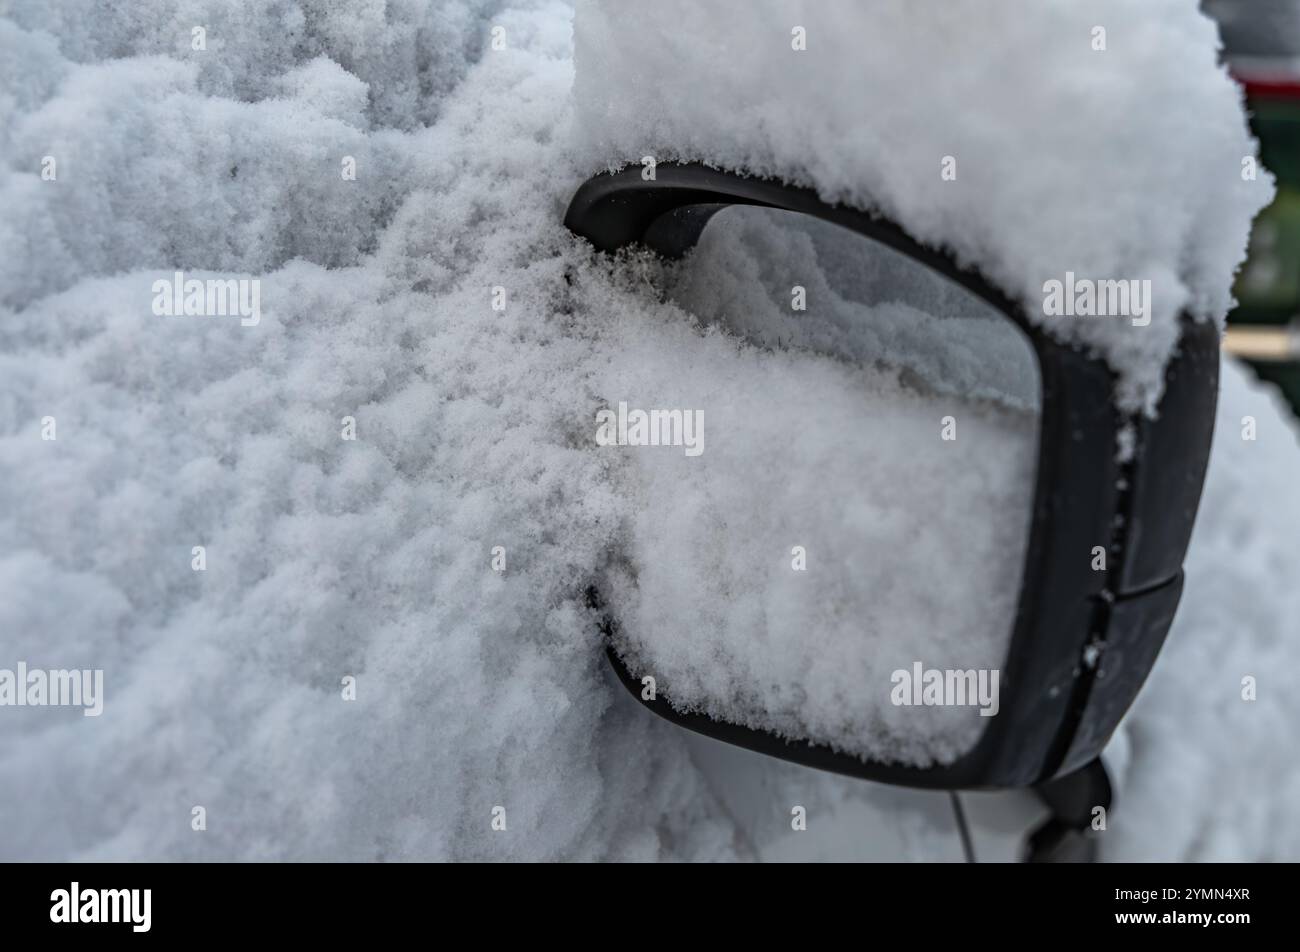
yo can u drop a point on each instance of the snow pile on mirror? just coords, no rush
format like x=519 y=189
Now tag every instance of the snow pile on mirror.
x=1005 y=132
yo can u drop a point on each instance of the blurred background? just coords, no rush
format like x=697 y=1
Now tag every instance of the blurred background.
x=1262 y=47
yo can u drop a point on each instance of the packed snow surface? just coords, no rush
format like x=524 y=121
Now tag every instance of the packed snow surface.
x=781 y=577
x=372 y=558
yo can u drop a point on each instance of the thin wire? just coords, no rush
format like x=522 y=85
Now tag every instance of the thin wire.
x=967 y=847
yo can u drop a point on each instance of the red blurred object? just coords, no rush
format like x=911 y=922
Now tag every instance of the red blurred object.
x=1267 y=78
x=1269 y=87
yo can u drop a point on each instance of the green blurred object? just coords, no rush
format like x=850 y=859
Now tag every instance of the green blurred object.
x=1261 y=41
x=1268 y=287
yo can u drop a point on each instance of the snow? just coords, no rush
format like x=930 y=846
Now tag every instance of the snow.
x=780 y=578
x=1127 y=159
x=371 y=558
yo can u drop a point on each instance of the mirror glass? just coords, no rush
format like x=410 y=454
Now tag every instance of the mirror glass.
x=834 y=482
